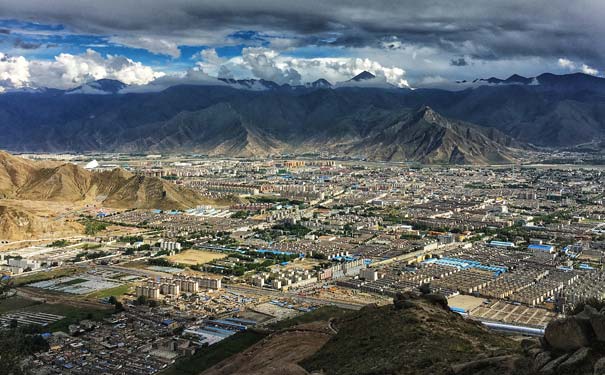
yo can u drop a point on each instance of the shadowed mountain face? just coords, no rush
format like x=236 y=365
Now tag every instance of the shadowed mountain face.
x=428 y=137
x=229 y=119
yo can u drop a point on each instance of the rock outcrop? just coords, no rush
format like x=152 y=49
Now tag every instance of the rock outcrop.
x=572 y=345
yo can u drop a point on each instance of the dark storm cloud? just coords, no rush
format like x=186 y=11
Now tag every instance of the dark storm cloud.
x=488 y=30
x=461 y=61
x=5 y=31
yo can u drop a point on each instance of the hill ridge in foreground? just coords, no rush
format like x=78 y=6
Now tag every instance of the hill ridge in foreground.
x=417 y=336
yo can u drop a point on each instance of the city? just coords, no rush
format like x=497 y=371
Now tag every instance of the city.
x=277 y=187
x=513 y=247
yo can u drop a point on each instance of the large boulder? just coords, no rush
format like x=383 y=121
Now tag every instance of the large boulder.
x=541 y=359
x=403 y=301
x=569 y=334
x=597 y=323
x=553 y=365
x=437 y=299
x=588 y=312
x=577 y=361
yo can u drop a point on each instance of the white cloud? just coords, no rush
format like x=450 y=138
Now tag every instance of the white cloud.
x=210 y=62
x=193 y=76
x=566 y=63
x=14 y=71
x=67 y=71
x=211 y=56
x=572 y=66
x=588 y=70
x=263 y=63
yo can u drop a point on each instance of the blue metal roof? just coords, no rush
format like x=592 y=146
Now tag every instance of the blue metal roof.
x=240 y=320
x=541 y=247
x=502 y=243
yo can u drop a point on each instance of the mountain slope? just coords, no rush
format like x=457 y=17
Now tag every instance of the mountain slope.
x=428 y=137
x=23 y=179
x=21 y=223
x=243 y=130
x=547 y=110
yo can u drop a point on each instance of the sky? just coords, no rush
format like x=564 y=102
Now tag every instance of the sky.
x=408 y=43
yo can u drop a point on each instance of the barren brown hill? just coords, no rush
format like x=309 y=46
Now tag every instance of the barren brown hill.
x=14 y=172
x=279 y=353
x=18 y=223
x=43 y=181
x=38 y=199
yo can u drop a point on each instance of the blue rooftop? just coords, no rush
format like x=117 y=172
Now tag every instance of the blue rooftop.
x=501 y=244
x=547 y=248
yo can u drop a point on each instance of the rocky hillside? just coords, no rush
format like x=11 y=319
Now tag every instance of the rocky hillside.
x=420 y=335
x=22 y=179
x=428 y=137
x=415 y=335
x=574 y=345
x=18 y=223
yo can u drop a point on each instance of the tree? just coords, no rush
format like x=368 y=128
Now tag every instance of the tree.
x=6 y=284
x=142 y=300
x=92 y=227
x=17 y=344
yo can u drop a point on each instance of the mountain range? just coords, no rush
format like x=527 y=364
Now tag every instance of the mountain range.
x=362 y=117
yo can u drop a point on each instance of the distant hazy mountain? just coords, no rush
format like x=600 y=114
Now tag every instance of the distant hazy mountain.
x=100 y=87
x=320 y=83
x=257 y=117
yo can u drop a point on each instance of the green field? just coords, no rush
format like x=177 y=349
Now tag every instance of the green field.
x=208 y=357
x=118 y=291
x=15 y=303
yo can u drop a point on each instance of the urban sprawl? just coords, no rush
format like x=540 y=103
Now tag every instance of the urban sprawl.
x=513 y=247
